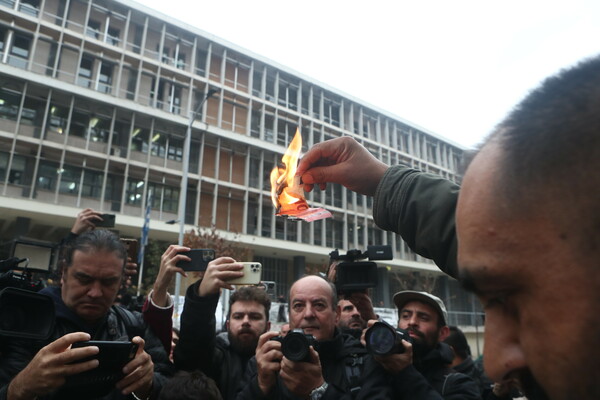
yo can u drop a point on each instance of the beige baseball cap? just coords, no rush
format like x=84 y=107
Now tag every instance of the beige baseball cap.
x=401 y=298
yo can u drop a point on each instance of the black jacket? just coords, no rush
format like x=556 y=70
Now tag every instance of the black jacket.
x=200 y=348
x=337 y=356
x=118 y=324
x=434 y=366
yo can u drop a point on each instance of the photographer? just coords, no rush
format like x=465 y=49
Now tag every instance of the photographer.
x=423 y=316
x=222 y=357
x=94 y=264
x=335 y=367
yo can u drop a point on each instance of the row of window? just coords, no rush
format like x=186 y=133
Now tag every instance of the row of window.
x=170 y=92
x=82 y=182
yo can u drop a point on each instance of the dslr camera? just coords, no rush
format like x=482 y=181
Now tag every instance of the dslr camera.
x=383 y=339
x=353 y=275
x=295 y=346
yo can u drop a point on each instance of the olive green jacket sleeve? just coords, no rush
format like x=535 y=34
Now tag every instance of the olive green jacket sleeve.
x=420 y=207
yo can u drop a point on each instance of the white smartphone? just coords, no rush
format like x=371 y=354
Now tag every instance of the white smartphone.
x=252 y=273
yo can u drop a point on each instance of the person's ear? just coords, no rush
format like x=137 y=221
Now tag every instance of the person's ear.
x=444 y=333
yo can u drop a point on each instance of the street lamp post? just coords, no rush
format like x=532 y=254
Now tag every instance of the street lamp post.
x=184 y=185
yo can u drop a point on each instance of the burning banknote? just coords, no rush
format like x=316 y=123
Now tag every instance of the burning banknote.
x=287 y=193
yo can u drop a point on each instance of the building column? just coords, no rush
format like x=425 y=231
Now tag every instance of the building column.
x=383 y=287
x=299 y=267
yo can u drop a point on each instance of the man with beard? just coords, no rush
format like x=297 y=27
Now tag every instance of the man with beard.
x=424 y=316
x=222 y=357
x=350 y=320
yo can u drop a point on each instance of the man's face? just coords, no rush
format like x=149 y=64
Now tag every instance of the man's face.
x=247 y=322
x=421 y=322
x=90 y=285
x=349 y=316
x=311 y=308
x=540 y=298
x=285 y=328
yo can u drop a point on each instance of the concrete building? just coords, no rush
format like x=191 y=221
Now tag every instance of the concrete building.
x=95 y=98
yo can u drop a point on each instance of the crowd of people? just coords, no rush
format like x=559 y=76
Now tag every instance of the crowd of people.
x=522 y=233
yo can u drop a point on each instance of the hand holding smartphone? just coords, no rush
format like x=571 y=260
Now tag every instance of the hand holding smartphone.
x=108 y=221
x=112 y=357
x=199 y=259
x=252 y=274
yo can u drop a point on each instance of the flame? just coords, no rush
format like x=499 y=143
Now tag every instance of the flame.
x=285 y=187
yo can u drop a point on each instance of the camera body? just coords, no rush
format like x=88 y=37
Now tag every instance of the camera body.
x=23 y=312
x=295 y=346
x=383 y=339
x=353 y=275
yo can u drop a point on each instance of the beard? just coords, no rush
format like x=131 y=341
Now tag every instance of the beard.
x=245 y=347
x=531 y=388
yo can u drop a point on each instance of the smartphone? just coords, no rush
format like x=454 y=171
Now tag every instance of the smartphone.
x=108 y=221
x=131 y=246
x=112 y=355
x=199 y=259
x=252 y=273
x=100 y=381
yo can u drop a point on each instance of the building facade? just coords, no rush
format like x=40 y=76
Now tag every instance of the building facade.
x=95 y=98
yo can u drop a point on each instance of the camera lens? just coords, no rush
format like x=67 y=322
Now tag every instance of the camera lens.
x=295 y=346
x=381 y=339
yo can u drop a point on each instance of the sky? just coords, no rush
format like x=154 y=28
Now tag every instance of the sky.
x=453 y=68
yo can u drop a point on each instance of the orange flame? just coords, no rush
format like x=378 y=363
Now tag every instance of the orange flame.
x=286 y=193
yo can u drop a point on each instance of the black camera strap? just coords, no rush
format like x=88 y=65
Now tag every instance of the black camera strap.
x=132 y=325
x=354 y=366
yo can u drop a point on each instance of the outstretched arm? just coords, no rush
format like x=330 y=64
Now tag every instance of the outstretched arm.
x=341 y=160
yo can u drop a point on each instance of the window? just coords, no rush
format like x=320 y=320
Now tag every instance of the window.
x=139 y=140
x=92 y=184
x=93 y=29
x=10 y=101
x=85 y=71
x=135 y=191
x=175 y=150
x=47 y=175
x=201 y=62
x=112 y=36
x=105 y=78
x=19 y=53
x=16 y=175
x=257 y=83
x=170 y=199
x=137 y=38
x=69 y=179
x=255 y=122
x=2 y=35
x=99 y=128
x=159 y=144
x=30 y=7
x=8 y=3
x=79 y=123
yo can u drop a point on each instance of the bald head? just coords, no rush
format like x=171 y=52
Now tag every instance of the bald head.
x=313 y=307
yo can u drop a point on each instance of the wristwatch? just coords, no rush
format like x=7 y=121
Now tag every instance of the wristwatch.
x=318 y=392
